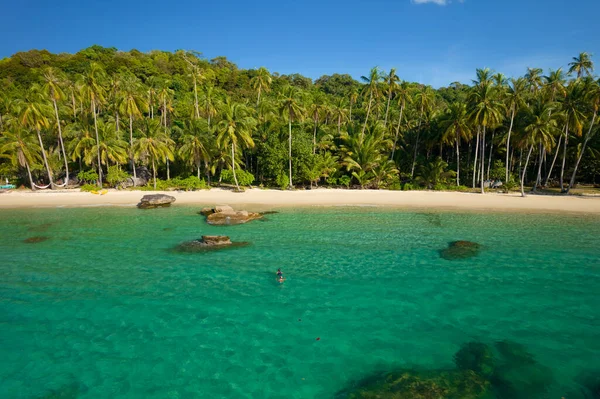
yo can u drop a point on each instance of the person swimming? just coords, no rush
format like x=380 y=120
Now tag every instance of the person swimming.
x=281 y=279
x=279 y=273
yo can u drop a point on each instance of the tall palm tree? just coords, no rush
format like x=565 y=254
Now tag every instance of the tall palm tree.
x=261 y=82
x=572 y=107
x=153 y=145
x=353 y=97
x=133 y=105
x=361 y=154
x=290 y=107
x=196 y=74
x=582 y=65
x=592 y=97
x=485 y=110
x=115 y=97
x=540 y=129
x=403 y=96
x=372 y=87
x=515 y=100
x=165 y=95
x=534 y=79
x=32 y=111
x=424 y=100
x=456 y=126
x=92 y=89
x=340 y=113
x=209 y=102
x=315 y=109
x=52 y=88
x=235 y=129
x=113 y=149
x=391 y=81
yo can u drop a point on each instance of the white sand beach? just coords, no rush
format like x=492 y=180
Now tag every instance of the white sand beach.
x=265 y=199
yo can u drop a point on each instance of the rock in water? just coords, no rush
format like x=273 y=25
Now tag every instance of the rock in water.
x=225 y=215
x=36 y=239
x=460 y=250
x=155 y=201
x=208 y=243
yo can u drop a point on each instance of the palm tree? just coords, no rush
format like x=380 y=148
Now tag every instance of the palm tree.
x=371 y=86
x=315 y=109
x=363 y=153
x=209 y=103
x=261 y=82
x=111 y=147
x=32 y=111
x=424 y=100
x=115 y=97
x=455 y=125
x=391 y=82
x=541 y=127
x=196 y=75
x=52 y=88
x=153 y=145
x=515 y=100
x=290 y=107
x=592 y=96
x=353 y=97
x=340 y=113
x=93 y=91
x=404 y=96
x=195 y=144
x=485 y=110
x=534 y=79
x=132 y=105
x=235 y=128
x=572 y=106
x=20 y=144
x=165 y=94
x=82 y=142
x=582 y=65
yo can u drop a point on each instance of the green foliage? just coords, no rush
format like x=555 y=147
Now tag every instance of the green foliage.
x=498 y=171
x=116 y=175
x=244 y=178
x=345 y=181
x=283 y=181
x=87 y=176
x=88 y=187
x=189 y=183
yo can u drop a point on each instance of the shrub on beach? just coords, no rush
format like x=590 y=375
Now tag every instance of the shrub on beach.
x=283 y=181
x=244 y=178
x=116 y=175
x=88 y=187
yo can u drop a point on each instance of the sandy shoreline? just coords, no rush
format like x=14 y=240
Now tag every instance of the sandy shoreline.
x=257 y=198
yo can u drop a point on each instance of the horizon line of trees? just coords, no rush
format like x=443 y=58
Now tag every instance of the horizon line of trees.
x=103 y=113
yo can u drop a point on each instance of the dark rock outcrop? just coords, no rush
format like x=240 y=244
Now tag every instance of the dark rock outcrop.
x=35 y=240
x=223 y=215
x=460 y=250
x=207 y=243
x=155 y=201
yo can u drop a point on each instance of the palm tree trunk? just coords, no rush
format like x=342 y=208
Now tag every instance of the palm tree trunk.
x=482 y=158
x=196 y=98
x=258 y=98
x=538 y=179
x=45 y=158
x=315 y=134
x=564 y=158
x=198 y=169
x=457 y=158
x=29 y=174
x=339 y=124
x=475 y=160
x=524 y=170
x=154 y=172
x=131 y=148
x=62 y=145
x=97 y=143
x=74 y=105
x=237 y=186
x=168 y=170
x=490 y=157
x=397 y=131
x=387 y=109
x=553 y=161
x=367 y=117
x=290 y=150
x=207 y=172
x=512 y=119
x=585 y=141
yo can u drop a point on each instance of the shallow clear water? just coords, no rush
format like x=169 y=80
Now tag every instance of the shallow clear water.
x=105 y=308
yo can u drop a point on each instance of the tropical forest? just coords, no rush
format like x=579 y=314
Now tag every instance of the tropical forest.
x=105 y=118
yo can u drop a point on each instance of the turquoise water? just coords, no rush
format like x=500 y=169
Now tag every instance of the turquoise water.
x=105 y=308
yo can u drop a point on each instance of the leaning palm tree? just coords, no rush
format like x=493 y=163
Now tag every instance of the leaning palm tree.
x=261 y=82
x=485 y=110
x=592 y=97
x=515 y=100
x=371 y=87
x=32 y=111
x=132 y=105
x=290 y=107
x=456 y=126
x=93 y=91
x=235 y=130
x=582 y=65
x=153 y=146
x=52 y=88
x=540 y=129
x=21 y=147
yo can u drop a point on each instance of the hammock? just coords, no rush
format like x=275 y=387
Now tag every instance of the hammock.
x=45 y=187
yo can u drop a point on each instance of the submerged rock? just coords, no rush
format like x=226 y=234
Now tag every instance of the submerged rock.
x=223 y=215
x=477 y=357
x=36 y=239
x=208 y=243
x=155 y=201
x=460 y=250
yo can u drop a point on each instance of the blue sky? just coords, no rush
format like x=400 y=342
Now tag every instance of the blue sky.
x=430 y=41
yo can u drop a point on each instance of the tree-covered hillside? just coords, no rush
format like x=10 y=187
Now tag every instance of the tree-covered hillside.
x=103 y=114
